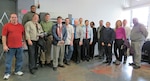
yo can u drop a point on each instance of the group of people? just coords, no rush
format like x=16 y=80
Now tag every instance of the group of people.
x=70 y=42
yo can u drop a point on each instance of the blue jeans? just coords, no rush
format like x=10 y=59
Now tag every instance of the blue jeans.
x=68 y=52
x=17 y=52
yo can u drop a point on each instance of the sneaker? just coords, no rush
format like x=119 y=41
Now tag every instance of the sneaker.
x=20 y=73
x=6 y=76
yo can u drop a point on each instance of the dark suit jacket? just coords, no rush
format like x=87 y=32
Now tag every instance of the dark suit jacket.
x=101 y=32
x=108 y=35
x=55 y=36
x=94 y=35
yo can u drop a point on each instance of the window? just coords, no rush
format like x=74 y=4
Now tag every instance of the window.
x=142 y=15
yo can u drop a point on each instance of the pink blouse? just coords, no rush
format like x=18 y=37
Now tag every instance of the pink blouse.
x=120 y=33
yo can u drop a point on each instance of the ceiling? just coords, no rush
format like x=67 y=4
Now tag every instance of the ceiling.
x=135 y=3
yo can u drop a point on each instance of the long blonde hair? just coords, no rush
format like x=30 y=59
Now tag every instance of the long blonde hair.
x=117 y=24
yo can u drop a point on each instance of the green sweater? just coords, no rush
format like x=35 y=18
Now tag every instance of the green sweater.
x=47 y=26
x=27 y=17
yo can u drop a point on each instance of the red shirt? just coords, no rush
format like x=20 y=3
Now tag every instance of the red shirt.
x=14 y=35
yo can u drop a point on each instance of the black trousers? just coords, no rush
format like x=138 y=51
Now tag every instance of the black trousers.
x=125 y=53
x=108 y=52
x=101 y=49
x=77 y=51
x=33 y=54
x=118 y=46
x=86 y=49
x=92 y=50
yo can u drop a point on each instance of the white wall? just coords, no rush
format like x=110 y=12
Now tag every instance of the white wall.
x=23 y=4
x=93 y=10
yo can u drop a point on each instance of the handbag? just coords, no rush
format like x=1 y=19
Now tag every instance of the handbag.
x=42 y=43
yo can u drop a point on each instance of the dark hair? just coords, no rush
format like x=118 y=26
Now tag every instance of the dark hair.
x=67 y=18
x=59 y=17
x=86 y=21
x=32 y=6
x=93 y=23
x=47 y=14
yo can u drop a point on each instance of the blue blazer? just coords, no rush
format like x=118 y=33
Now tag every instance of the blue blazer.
x=55 y=36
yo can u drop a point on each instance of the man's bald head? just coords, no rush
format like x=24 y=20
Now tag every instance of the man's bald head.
x=135 y=21
x=76 y=22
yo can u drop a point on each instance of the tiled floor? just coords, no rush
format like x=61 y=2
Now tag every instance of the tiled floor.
x=94 y=70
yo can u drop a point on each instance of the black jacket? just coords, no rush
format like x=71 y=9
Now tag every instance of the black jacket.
x=94 y=35
x=101 y=33
x=108 y=35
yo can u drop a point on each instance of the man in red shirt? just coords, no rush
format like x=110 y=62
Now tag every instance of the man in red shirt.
x=12 y=37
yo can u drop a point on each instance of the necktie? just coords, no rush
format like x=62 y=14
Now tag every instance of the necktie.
x=36 y=25
x=86 y=33
x=74 y=32
x=59 y=31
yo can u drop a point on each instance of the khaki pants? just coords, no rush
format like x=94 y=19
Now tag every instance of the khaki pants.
x=137 y=47
x=58 y=54
x=45 y=56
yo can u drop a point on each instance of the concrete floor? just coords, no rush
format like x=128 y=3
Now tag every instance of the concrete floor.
x=94 y=70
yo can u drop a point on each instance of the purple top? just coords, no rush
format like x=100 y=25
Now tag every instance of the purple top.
x=120 y=33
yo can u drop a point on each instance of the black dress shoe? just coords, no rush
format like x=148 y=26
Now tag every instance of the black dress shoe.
x=49 y=64
x=35 y=68
x=62 y=66
x=105 y=62
x=42 y=65
x=136 y=67
x=101 y=57
x=87 y=60
x=114 y=62
x=67 y=62
x=78 y=62
x=55 y=68
x=32 y=71
x=124 y=62
x=131 y=64
x=83 y=59
x=109 y=63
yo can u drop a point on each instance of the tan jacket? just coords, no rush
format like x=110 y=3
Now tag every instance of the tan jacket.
x=31 y=31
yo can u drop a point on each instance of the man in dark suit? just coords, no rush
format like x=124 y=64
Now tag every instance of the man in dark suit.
x=107 y=41
x=99 y=35
x=92 y=24
x=59 y=33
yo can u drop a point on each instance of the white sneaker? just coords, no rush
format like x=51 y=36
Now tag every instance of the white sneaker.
x=20 y=73
x=6 y=76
